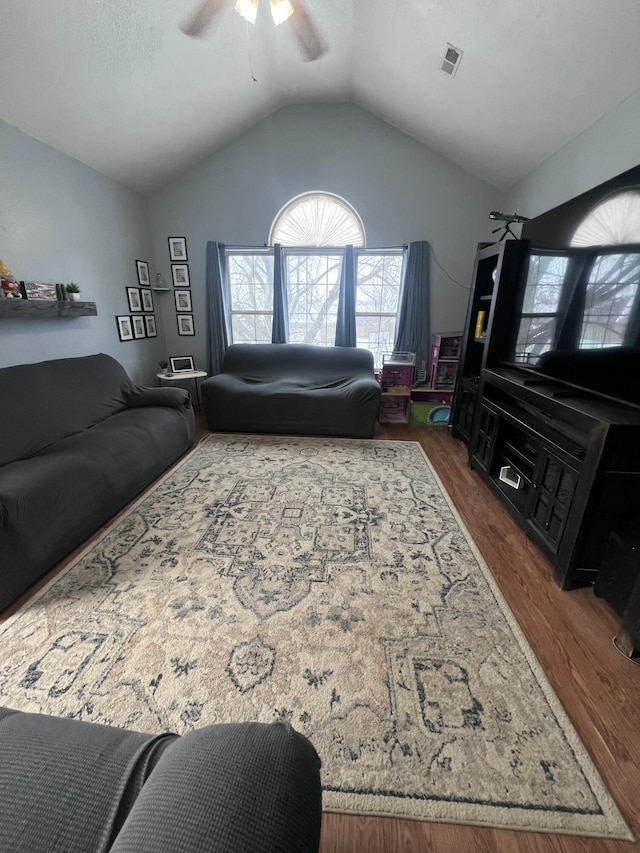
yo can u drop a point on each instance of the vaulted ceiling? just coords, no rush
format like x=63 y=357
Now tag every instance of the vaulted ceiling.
x=117 y=85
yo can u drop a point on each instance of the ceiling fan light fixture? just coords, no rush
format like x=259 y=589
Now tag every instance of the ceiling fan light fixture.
x=248 y=9
x=280 y=11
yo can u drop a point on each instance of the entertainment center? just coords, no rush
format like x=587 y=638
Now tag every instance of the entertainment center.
x=552 y=427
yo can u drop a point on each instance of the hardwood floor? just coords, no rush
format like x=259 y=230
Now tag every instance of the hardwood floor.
x=571 y=634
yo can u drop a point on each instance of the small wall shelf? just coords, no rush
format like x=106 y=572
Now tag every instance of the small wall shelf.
x=31 y=309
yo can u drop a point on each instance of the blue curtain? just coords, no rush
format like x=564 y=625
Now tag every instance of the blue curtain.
x=280 y=324
x=346 y=321
x=219 y=332
x=412 y=325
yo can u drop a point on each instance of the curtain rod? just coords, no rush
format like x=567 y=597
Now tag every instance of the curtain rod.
x=265 y=248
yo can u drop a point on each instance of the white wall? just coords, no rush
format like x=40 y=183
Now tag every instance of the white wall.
x=401 y=189
x=62 y=221
x=606 y=149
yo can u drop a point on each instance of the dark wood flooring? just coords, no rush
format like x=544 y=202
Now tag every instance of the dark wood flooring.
x=571 y=634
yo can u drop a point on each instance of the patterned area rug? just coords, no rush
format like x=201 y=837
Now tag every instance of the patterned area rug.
x=329 y=582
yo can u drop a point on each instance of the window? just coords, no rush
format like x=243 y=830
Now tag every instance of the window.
x=314 y=228
x=539 y=316
x=250 y=278
x=378 y=276
x=313 y=285
x=611 y=294
x=614 y=221
x=317 y=219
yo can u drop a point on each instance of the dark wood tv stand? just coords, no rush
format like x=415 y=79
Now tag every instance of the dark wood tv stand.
x=564 y=460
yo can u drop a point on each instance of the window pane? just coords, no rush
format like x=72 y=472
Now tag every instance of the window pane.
x=313 y=285
x=535 y=336
x=610 y=297
x=251 y=328
x=375 y=333
x=377 y=298
x=250 y=291
x=544 y=284
x=543 y=289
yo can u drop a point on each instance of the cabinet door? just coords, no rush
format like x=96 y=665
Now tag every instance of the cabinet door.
x=554 y=486
x=485 y=438
x=463 y=409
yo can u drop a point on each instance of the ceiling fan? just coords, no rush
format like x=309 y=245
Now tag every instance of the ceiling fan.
x=308 y=36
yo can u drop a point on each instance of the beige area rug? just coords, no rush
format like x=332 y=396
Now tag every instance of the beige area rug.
x=331 y=583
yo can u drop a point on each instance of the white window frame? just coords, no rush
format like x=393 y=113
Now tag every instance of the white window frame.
x=377 y=351
x=237 y=312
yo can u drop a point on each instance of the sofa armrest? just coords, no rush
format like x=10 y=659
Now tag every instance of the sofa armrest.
x=229 y=787
x=176 y=398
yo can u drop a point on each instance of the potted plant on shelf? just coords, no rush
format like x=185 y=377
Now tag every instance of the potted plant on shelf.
x=164 y=364
x=73 y=291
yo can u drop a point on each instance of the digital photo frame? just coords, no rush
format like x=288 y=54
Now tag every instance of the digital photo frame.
x=181 y=364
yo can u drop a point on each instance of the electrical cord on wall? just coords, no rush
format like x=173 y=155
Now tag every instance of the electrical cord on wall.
x=463 y=286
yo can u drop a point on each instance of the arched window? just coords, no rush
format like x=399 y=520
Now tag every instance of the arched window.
x=317 y=219
x=614 y=221
x=314 y=229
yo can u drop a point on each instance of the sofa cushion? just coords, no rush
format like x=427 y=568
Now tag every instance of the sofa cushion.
x=49 y=400
x=69 y=785
x=54 y=500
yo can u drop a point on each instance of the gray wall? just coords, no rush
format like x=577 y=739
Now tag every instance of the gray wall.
x=606 y=149
x=62 y=221
x=402 y=191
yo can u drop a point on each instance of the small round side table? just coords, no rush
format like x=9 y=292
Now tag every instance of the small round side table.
x=190 y=375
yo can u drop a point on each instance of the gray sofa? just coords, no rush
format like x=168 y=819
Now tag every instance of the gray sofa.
x=84 y=788
x=295 y=389
x=79 y=441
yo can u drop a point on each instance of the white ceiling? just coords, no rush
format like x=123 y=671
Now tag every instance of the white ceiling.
x=118 y=86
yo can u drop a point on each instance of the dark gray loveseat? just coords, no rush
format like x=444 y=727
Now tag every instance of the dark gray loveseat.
x=77 y=787
x=294 y=389
x=79 y=441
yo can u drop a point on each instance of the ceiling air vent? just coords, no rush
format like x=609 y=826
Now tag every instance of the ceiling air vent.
x=451 y=60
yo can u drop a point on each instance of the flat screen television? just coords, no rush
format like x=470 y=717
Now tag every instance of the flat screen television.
x=578 y=318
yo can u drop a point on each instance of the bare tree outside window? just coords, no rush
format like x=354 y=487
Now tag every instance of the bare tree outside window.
x=611 y=294
x=539 y=316
x=377 y=299
x=250 y=279
x=311 y=227
x=313 y=285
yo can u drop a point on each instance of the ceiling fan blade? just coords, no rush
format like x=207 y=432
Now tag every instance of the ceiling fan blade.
x=202 y=16
x=310 y=40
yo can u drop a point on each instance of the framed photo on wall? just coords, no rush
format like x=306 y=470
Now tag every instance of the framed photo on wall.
x=135 y=300
x=143 y=273
x=125 y=329
x=183 y=300
x=139 y=328
x=185 y=324
x=178 y=248
x=150 y=326
x=180 y=275
x=147 y=299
